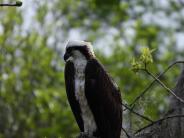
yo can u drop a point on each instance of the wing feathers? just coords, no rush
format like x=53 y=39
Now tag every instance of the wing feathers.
x=104 y=100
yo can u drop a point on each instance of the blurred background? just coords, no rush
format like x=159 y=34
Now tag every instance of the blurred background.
x=33 y=101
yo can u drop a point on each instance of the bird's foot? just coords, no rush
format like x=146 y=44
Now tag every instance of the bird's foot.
x=85 y=135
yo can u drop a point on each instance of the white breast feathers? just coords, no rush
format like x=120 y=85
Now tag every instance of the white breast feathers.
x=87 y=116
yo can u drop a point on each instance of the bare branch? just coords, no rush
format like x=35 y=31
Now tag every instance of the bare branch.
x=150 y=85
x=163 y=85
x=142 y=116
x=126 y=132
x=17 y=4
x=158 y=121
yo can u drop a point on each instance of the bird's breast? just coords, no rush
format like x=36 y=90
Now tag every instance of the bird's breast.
x=87 y=116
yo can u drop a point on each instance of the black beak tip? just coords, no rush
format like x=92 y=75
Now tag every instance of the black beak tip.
x=66 y=56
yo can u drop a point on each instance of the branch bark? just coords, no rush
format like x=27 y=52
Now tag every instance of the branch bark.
x=17 y=4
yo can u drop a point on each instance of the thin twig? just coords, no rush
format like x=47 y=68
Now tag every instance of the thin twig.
x=163 y=85
x=132 y=105
x=126 y=132
x=142 y=116
x=158 y=121
x=17 y=4
x=150 y=85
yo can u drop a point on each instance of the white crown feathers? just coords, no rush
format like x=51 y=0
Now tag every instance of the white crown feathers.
x=79 y=43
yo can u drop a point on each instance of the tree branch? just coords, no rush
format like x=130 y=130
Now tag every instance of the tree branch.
x=17 y=4
x=126 y=132
x=158 y=121
x=132 y=105
x=142 y=116
x=163 y=85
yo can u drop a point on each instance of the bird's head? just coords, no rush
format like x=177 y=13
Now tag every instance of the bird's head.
x=78 y=49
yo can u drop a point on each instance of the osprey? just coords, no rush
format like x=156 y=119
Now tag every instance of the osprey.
x=94 y=97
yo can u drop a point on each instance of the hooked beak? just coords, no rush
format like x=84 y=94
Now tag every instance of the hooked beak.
x=66 y=56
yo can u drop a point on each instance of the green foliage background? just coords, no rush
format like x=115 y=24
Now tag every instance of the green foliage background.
x=33 y=102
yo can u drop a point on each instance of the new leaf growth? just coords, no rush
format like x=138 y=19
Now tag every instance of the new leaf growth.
x=145 y=58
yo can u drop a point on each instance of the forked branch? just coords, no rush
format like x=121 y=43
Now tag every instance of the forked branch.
x=132 y=105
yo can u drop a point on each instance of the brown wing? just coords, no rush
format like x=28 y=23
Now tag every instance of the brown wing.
x=104 y=99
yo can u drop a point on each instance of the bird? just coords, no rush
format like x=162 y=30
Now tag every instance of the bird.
x=94 y=97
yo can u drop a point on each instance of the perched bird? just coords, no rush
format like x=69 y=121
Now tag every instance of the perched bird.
x=94 y=97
